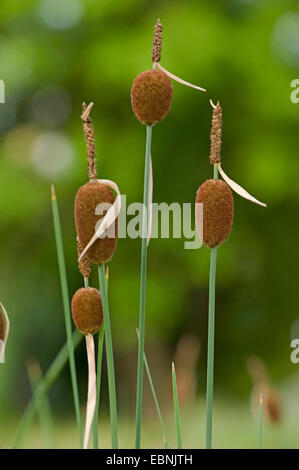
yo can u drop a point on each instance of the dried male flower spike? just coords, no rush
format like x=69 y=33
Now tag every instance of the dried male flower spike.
x=216 y=135
x=83 y=264
x=87 y=310
x=88 y=197
x=218 y=211
x=151 y=96
x=88 y=131
x=157 y=42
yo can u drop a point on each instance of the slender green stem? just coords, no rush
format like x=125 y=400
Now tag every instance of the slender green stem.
x=261 y=423
x=66 y=308
x=215 y=172
x=44 y=410
x=49 y=378
x=142 y=289
x=99 y=375
x=166 y=445
x=176 y=409
x=211 y=340
x=109 y=354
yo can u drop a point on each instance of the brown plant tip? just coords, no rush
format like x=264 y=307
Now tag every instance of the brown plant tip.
x=89 y=137
x=216 y=135
x=218 y=211
x=87 y=199
x=2 y=335
x=151 y=96
x=83 y=264
x=157 y=42
x=87 y=310
x=273 y=406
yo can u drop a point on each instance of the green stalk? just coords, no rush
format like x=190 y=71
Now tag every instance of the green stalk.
x=44 y=410
x=109 y=354
x=99 y=375
x=211 y=340
x=166 y=446
x=49 y=378
x=176 y=409
x=261 y=423
x=142 y=288
x=66 y=309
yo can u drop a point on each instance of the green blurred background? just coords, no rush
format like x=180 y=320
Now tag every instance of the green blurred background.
x=54 y=54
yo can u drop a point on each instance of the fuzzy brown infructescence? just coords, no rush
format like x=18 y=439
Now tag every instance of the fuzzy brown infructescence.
x=151 y=96
x=89 y=137
x=88 y=198
x=83 y=264
x=157 y=42
x=218 y=211
x=87 y=310
x=216 y=135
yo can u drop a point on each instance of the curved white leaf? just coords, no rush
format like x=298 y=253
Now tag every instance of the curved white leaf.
x=238 y=189
x=92 y=388
x=7 y=328
x=180 y=80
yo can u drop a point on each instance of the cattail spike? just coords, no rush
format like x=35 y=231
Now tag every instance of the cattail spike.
x=83 y=263
x=88 y=131
x=157 y=42
x=216 y=134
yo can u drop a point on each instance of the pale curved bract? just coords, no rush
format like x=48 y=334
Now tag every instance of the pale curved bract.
x=92 y=388
x=178 y=79
x=238 y=189
x=108 y=219
x=7 y=328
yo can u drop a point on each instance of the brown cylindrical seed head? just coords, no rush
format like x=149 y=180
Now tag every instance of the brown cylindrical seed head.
x=87 y=199
x=218 y=211
x=151 y=96
x=87 y=310
x=83 y=264
x=157 y=42
x=1 y=327
x=216 y=135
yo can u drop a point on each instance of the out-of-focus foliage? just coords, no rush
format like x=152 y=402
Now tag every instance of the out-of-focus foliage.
x=55 y=54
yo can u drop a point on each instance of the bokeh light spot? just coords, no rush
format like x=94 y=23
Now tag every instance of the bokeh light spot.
x=52 y=154
x=60 y=14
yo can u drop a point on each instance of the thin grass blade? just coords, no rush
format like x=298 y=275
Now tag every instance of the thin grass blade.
x=44 y=410
x=176 y=409
x=49 y=378
x=165 y=441
x=109 y=354
x=142 y=307
x=66 y=309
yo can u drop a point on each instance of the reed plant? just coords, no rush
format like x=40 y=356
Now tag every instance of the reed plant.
x=215 y=226
x=151 y=98
x=98 y=247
